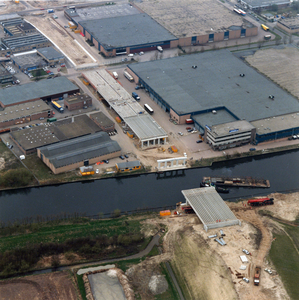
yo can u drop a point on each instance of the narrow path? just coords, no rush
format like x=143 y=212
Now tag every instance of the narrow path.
x=146 y=251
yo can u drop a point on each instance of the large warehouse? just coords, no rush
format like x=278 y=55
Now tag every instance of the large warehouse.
x=43 y=89
x=207 y=89
x=123 y=34
x=75 y=153
x=115 y=29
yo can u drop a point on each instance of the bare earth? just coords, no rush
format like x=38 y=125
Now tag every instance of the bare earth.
x=51 y=29
x=58 y=286
x=280 y=65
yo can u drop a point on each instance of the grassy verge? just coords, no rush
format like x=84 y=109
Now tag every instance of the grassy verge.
x=81 y=286
x=171 y=292
x=286 y=259
x=45 y=175
x=11 y=162
x=21 y=236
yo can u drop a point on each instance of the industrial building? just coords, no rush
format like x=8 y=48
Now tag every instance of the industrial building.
x=256 y=4
x=28 y=42
x=205 y=88
x=18 y=28
x=28 y=140
x=75 y=153
x=290 y=25
x=51 y=55
x=77 y=101
x=128 y=166
x=123 y=34
x=210 y=208
x=28 y=62
x=45 y=89
x=136 y=119
x=116 y=29
x=198 y=22
x=24 y=113
x=103 y=121
x=5 y=76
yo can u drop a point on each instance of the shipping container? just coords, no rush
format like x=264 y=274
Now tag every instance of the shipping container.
x=77 y=31
x=165 y=213
x=51 y=120
x=85 y=82
x=117 y=119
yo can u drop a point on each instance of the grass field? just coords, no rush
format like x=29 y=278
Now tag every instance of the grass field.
x=11 y=162
x=45 y=233
x=285 y=258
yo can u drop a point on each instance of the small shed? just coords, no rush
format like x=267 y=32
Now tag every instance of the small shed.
x=128 y=166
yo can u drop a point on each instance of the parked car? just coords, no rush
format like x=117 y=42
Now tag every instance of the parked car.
x=180 y=133
x=190 y=130
x=141 y=53
x=137 y=87
x=105 y=161
x=10 y=146
x=246 y=251
x=126 y=156
x=130 y=55
x=246 y=280
x=121 y=157
x=199 y=141
x=252 y=149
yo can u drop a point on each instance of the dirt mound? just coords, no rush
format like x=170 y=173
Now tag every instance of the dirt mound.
x=158 y=284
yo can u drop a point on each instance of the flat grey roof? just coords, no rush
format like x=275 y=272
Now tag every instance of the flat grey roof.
x=49 y=133
x=34 y=90
x=292 y=23
x=222 y=116
x=35 y=137
x=210 y=208
x=101 y=12
x=127 y=31
x=189 y=18
x=79 y=149
x=102 y=119
x=143 y=125
x=264 y=3
x=29 y=60
x=50 y=53
x=224 y=129
x=23 y=110
x=9 y=17
x=25 y=40
x=277 y=123
x=214 y=84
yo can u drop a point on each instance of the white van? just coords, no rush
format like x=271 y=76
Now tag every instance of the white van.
x=159 y=48
x=115 y=75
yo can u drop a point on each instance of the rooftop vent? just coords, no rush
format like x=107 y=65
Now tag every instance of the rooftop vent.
x=242 y=75
x=214 y=112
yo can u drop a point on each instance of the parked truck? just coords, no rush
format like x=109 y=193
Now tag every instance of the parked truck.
x=57 y=106
x=257 y=274
x=128 y=76
x=135 y=96
x=50 y=11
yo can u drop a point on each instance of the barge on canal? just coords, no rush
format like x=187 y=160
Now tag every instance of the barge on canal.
x=241 y=182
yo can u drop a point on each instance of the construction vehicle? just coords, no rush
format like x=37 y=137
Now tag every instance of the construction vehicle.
x=257 y=274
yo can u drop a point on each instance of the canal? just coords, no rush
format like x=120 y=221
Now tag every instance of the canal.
x=146 y=191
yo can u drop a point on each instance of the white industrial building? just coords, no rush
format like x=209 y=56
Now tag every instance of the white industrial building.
x=210 y=208
x=146 y=129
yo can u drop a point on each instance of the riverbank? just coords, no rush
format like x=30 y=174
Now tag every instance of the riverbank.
x=45 y=177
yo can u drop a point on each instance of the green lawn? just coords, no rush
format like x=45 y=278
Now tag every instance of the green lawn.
x=286 y=259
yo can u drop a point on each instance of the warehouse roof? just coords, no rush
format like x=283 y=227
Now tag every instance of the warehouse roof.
x=292 y=23
x=213 y=84
x=278 y=123
x=50 y=53
x=210 y=208
x=29 y=60
x=79 y=149
x=9 y=17
x=34 y=90
x=192 y=18
x=125 y=31
x=143 y=125
x=23 y=110
x=101 y=12
x=222 y=116
x=102 y=119
x=231 y=127
x=24 y=40
x=264 y=3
